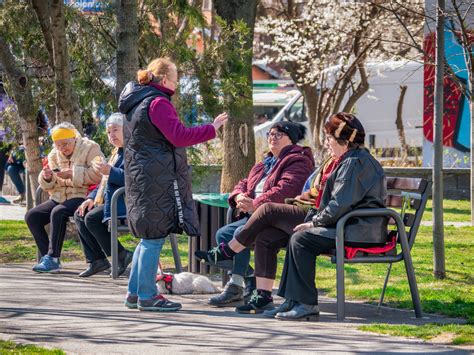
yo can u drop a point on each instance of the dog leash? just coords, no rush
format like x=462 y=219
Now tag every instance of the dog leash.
x=166 y=277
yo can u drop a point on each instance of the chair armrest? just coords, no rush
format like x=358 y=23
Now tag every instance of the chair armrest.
x=38 y=195
x=230 y=215
x=113 y=208
x=367 y=212
x=114 y=230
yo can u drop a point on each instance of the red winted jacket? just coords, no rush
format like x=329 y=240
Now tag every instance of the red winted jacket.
x=286 y=179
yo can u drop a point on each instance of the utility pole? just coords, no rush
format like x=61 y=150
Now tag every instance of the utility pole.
x=438 y=229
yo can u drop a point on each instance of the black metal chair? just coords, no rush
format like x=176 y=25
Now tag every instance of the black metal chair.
x=115 y=228
x=402 y=193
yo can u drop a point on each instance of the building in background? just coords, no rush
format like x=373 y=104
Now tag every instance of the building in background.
x=457 y=116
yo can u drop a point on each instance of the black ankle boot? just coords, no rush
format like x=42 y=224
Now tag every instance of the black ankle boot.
x=260 y=301
x=95 y=267
x=218 y=254
x=124 y=259
x=230 y=297
x=250 y=286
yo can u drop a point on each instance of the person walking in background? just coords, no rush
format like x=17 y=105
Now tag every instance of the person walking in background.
x=15 y=167
x=66 y=178
x=157 y=176
x=4 y=149
x=93 y=214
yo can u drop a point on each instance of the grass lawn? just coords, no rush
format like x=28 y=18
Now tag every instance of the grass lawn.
x=449 y=333
x=9 y=347
x=453 y=296
x=17 y=246
x=454 y=211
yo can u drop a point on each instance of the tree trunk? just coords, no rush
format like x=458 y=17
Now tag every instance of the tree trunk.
x=26 y=111
x=310 y=94
x=399 y=122
x=127 y=43
x=239 y=140
x=53 y=25
x=362 y=88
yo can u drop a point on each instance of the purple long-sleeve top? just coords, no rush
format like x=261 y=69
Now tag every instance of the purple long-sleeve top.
x=164 y=116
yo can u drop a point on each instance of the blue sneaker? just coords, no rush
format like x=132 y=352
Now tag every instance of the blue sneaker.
x=47 y=264
x=131 y=301
x=39 y=262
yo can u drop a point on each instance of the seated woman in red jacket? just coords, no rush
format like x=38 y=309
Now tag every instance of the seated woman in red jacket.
x=267 y=231
x=282 y=174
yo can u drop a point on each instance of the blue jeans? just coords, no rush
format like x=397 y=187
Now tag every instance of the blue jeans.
x=14 y=171
x=142 y=281
x=225 y=234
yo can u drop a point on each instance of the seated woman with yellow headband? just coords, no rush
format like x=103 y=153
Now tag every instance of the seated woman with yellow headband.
x=66 y=178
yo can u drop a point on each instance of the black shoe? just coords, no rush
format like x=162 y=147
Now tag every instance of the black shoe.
x=258 y=303
x=124 y=260
x=284 y=307
x=300 y=312
x=250 y=287
x=232 y=295
x=95 y=267
x=214 y=256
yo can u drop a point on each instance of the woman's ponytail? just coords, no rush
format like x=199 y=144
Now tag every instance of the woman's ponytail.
x=144 y=77
x=156 y=71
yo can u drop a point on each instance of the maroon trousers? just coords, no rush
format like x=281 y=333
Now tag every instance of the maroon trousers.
x=268 y=230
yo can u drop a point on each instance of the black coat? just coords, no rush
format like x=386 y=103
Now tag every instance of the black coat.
x=357 y=182
x=157 y=175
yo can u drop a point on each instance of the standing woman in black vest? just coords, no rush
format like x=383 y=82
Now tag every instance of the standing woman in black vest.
x=157 y=177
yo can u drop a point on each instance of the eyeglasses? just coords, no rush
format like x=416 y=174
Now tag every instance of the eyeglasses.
x=276 y=135
x=64 y=145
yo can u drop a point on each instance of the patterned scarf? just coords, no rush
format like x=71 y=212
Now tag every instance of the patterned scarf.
x=99 y=198
x=330 y=166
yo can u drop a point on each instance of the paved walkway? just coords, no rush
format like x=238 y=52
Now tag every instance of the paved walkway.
x=86 y=316
x=12 y=212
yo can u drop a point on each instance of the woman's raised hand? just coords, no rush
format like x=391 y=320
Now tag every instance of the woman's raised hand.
x=220 y=120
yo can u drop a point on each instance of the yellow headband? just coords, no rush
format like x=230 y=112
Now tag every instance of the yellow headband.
x=63 y=133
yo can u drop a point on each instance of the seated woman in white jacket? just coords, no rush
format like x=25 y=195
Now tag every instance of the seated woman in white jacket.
x=66 y=177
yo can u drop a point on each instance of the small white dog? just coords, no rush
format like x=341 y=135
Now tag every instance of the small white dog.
x=184 y=283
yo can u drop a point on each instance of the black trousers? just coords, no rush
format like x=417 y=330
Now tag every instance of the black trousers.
x=56 y=214
x=297 y=279
x=95 y=236
x=268 y=230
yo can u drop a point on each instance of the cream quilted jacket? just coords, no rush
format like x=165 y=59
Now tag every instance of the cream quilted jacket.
x=83 y=173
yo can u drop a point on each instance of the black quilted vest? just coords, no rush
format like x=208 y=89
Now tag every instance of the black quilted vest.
x=157 y=175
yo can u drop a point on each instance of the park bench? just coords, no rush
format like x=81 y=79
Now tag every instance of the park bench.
x=403 y=193
x=115 y=227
